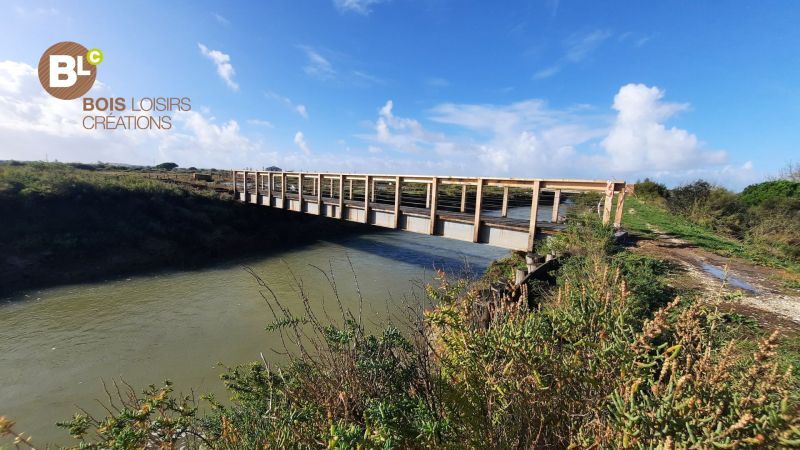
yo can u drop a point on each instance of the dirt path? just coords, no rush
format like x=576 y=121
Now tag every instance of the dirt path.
x=753 y=290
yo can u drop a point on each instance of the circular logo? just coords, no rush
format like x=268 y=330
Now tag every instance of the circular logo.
x=65 y=70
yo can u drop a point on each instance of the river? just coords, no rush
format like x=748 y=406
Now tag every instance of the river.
x=57 y=344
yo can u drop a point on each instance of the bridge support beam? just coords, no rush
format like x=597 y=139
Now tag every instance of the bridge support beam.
x=434 y=188
x=556 y=203
x=534 y=214
x=477 y=224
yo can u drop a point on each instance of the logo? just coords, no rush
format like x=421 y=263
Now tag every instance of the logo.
x=67 y=70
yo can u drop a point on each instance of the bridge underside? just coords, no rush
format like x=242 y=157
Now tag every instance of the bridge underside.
x=498 y=231
x=499 y=212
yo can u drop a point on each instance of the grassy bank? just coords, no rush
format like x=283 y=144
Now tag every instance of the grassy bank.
x=65 y=224
x=610 y=356
x=761 y=224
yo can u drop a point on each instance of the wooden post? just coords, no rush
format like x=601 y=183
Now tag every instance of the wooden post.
x=331 y=190
x=366 y=198
x=620 y=208
x=300 y=192
x=397 y=193
x=427 y=195
x=372 y=191
x=434 y=191
x=607 y=204
x=245 y=188
x=258 y=181
x=341 y=196
x=319 y=194
x=269 y=189
x=504 y=210
x=534 y=213
x=463 y=198
x=234 y=184
x=283 y=190
x=351 y=190
x=556 y=203
x=478 y=199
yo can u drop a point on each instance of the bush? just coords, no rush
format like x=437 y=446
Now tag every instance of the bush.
x=650 y=190
x=772 y=193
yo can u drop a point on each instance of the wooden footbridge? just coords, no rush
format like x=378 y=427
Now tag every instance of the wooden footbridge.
x=504 y=212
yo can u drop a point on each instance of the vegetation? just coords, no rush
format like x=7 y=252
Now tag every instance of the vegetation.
x=607 y=357
x=114 y=222
x=761 y=224
x=167 y=166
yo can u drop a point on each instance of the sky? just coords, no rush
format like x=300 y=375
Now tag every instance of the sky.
x=671 y=90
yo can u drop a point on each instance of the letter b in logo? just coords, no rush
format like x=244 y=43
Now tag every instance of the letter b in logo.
x=63 y=71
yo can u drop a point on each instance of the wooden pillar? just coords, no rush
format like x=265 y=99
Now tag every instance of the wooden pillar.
x=234 y=183
x=258 y=181
x=331 y=190
x=534 y=213
x=269 y=188
x=351 y=190
x=556 y=203
x=397 y=192
x=478 y=199
x=463 y=198
x=245 y=187
x=620 y=208
x=427 y=195
x=283 y=190
x=341 y=196
x=372 y=191
x=434 y=186
x=300 y=192
x=607 y=204
x=366 y=198
x=504 y=210
x=319 y=194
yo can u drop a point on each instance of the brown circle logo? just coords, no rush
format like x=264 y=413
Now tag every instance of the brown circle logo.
x=65 y=70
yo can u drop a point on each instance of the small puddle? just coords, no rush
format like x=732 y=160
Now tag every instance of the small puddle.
x=720 y=274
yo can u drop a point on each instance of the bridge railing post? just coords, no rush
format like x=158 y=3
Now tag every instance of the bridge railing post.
x=477 y=224
x=504 y=208
x=434 y=187
x=341 y=196
x=556 y=203
x=398 y=189
x=620 y=207
x=366 y=198
x=607 y=203
x=283 y=191
x=463 y=198
x=319 y=194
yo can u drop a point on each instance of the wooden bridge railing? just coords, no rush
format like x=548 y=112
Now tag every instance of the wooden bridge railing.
x=483 y=210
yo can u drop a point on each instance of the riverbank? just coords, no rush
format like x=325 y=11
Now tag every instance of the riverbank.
x=63 y=224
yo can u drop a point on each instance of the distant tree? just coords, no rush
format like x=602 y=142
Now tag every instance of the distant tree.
x=273 y=169
x=791 y=172
x=167 y=166
x=649 y=189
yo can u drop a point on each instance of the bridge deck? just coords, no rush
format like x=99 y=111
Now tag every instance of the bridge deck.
x=498 y=211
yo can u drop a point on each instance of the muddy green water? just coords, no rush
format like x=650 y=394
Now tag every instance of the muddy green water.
x=56 y=345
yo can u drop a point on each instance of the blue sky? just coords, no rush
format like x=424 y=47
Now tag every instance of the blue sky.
x=671 y=90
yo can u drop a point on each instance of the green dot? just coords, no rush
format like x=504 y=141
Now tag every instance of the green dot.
x=94 y=56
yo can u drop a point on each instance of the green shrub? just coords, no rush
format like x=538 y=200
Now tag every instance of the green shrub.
x=648 y=189
x=772 y=193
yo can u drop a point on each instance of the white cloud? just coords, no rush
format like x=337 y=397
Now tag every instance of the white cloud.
x=222 y=19
x=261 y=123
x=362 y=7
x=299 y=108
x=223 y=62
x=317 y=66
x=300 y=141
x=577 y=48
x=639 y=140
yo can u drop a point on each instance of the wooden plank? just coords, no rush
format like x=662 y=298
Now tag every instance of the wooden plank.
x=620 y=208
x=534 y=214
x=463 y=198
x=398 y=189
x=556 y=204
x=607 y=203
x=341 y=196
x=504 y=209
x=434 y=191
x=477 y=222
x=366 y=200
